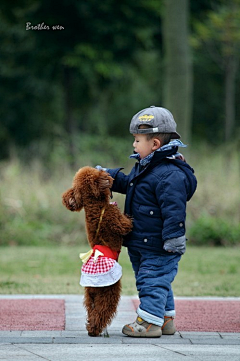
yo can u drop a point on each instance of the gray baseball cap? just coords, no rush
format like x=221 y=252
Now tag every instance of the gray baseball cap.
x=159 y=119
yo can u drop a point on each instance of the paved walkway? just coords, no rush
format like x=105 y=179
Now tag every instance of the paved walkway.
x=74 y=344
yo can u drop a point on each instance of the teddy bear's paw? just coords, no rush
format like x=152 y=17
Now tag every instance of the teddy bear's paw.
x=93 y=330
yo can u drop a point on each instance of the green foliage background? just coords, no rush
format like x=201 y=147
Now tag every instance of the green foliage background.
x=66 y=100
x=31 y=210
x=106 y=64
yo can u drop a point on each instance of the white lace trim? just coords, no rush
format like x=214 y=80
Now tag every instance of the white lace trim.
x=102 y=279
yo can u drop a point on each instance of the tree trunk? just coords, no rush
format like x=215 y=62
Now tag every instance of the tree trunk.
x=230 y=81
x=178 y=67
x=70 y=124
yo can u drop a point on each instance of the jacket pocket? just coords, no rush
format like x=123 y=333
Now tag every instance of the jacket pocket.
x=150 y=211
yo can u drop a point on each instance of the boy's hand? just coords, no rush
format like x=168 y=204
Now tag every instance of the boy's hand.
x=176 y=245
x=99 y=167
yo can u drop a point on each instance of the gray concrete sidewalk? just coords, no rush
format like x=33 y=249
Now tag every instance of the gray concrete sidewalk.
x=74 y=344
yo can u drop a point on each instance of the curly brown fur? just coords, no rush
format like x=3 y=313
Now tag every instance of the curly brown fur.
x=101 y=304
x=91 y=191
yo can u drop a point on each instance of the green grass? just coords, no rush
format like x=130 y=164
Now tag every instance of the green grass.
x=203 y=271
x=32 y=216
x=209 y=271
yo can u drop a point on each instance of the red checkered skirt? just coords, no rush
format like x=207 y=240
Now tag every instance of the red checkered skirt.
x=104 y=272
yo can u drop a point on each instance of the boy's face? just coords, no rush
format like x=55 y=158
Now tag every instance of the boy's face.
x=143 y=146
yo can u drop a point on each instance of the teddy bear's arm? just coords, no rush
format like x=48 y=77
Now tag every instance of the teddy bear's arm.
x=126 y=223
x=122 y=224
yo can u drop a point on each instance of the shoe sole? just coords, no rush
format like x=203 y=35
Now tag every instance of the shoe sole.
x=168 y=333
x=128 y=332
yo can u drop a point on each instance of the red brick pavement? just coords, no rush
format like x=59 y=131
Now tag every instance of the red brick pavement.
x=206 y=315
x=49 y=314
x=32 y=315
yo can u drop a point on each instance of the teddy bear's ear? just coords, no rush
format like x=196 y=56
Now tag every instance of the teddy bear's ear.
x=71 y=202
x=102 y=184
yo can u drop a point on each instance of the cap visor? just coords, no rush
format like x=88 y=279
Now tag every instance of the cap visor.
x=176 y=135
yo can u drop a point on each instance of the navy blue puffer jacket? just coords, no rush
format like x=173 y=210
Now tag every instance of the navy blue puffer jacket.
x=156 y=198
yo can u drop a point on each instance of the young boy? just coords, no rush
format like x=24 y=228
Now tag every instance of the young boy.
x=157 y=190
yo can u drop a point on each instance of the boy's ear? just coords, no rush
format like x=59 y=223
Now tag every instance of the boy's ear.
x=156 y=144
x=71 y=201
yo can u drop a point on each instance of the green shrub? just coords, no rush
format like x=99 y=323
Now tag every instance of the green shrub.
x=212 y=231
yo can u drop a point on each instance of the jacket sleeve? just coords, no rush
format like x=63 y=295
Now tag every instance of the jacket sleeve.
x=172 y=198
x=120 y=180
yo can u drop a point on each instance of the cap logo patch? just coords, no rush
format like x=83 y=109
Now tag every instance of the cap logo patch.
x=146 y=118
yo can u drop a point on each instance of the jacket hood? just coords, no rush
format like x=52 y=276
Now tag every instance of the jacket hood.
x=189 y=171
x=184 y=166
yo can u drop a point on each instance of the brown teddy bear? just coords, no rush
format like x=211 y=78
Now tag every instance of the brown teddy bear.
x=105 y=226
